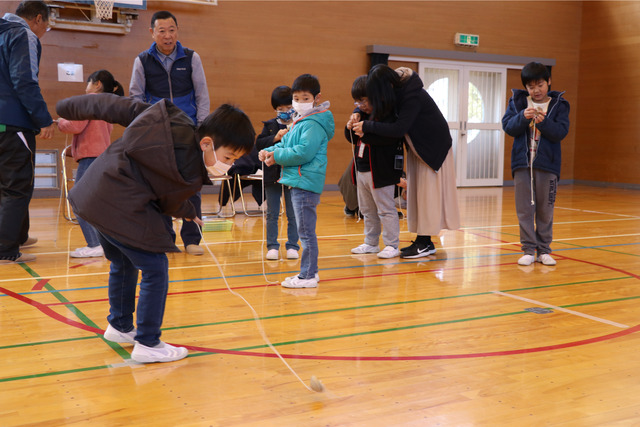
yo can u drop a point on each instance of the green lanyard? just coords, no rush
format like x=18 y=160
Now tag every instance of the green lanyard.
x=3 y=128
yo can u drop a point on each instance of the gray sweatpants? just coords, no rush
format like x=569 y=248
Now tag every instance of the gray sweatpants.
x=536 y=221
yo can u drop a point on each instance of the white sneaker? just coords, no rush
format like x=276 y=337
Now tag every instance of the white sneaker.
x=288 y=279
x=114 y=335
x=526 y=260
x=297 y=282
x=272 y=254
x=292 y=254
x=365 y=249
x=87 y=252
x=389 y=252
x=162 y=352
x=546 y=259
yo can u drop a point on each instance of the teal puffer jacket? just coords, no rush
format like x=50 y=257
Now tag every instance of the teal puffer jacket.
x=302 y=152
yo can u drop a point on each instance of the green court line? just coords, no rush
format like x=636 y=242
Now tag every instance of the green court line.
x=596 y=248
x=49 y=374
x=262 y=346
x=387 y=304
x=78 y=313
x=47 y=342
x=563 y=242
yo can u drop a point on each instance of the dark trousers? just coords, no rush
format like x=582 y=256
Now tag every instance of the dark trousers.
x=189 y=232
x=126 y=263
x=16 y=188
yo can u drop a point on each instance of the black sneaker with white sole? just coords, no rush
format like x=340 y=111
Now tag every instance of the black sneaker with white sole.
x=417 y=250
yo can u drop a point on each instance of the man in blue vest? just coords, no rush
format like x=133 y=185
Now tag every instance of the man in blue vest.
x=23 y=115
x=170 y=71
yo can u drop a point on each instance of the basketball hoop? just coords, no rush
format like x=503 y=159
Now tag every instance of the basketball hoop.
x=104 y=9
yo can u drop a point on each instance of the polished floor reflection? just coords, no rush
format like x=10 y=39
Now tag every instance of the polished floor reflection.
x=462 y=338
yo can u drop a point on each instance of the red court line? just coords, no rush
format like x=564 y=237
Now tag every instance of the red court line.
x=402 y=273
x=39 y=285
x=429 y=357
x=84 y=263
x=49 y=312
x=56 y=316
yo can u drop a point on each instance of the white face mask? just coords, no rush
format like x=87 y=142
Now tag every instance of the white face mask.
x=302 y=108
x=218 y=168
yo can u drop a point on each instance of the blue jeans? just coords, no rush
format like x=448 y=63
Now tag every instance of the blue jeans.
x=273 y=193
x=126 y=262
x=304 y=205
x=89 y=232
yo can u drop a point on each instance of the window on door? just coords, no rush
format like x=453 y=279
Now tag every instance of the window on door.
x=470 y=97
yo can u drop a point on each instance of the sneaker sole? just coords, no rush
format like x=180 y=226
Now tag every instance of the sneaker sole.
x=182 y=353
x=388 y=256
x=423 y=254
x=288 y=286
x=145 y=359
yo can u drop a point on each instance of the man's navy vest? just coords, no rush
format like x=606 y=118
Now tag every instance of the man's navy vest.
x=176 y=86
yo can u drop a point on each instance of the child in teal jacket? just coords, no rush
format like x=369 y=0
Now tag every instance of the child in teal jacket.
x=302 y=153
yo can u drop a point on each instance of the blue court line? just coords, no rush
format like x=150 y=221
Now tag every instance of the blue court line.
x=421 y=260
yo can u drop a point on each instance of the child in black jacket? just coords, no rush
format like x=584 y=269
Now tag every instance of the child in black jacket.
x=379 y=162
x=272 y=133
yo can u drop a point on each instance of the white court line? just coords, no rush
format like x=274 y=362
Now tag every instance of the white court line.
x=186 y=267
x=597 y=212
x=480 y=227
x=576 y=313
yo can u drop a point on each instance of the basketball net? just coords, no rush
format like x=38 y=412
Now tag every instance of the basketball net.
x=104 y=9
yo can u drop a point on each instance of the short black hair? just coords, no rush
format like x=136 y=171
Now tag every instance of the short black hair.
x=534 y=71
x=162 y=14
x=229 y=126
x=306 y=83
x=31 y=9
x=281 y=96
x=359 y=87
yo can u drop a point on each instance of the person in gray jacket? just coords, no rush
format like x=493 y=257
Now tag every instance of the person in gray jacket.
x=161 y=160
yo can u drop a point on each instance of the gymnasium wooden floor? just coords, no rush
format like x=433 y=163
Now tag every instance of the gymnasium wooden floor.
x=462 y=338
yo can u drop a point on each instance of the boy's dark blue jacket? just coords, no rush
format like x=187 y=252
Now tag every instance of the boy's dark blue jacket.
x=553 y=129
x=21 y=102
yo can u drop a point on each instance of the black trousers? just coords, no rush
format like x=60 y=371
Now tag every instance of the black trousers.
x=17 y=165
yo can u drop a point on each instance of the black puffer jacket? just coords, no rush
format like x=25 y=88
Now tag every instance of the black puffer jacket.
x=264 y=140
x=420 y=117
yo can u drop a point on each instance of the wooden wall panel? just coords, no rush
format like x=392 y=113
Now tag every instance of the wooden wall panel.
x=248 y=48
x=609 y=82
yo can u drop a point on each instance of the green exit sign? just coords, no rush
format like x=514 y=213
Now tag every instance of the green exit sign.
x=467 y=39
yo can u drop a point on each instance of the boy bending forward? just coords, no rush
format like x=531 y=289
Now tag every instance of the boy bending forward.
x=158 y=164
